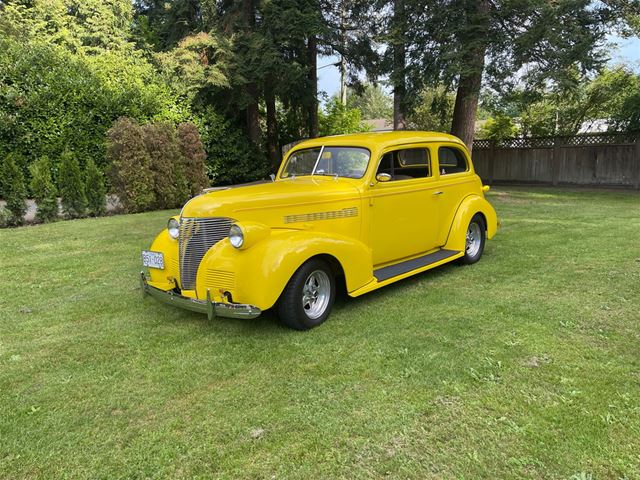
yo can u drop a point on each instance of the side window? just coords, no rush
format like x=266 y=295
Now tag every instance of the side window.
x=406 y=164
x=451 y=160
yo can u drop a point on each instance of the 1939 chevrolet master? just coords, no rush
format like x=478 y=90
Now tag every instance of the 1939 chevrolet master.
x=367 y=210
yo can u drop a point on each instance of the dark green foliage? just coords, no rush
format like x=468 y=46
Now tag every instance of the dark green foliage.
x=130 y=172
x=71 y=186
x=231 y=159
x=14 y=191
x=44 y=190
x=193 y=157
x=94 y=189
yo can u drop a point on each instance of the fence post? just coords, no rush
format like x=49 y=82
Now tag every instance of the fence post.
x=636 y=169
x=492 y=152
x=555 y=168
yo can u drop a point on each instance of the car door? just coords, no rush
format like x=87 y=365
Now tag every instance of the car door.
x=404 y=217
x=453 y=175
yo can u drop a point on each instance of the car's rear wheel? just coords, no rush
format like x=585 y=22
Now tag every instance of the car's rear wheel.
x=475 y=239
x=308 y=297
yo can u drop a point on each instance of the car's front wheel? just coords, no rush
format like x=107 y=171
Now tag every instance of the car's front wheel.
x=475 y=239
x=308 y=297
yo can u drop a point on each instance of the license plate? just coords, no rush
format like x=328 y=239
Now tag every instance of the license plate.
x=153 y=259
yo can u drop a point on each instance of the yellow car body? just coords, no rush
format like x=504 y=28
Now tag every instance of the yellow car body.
x=373 y=230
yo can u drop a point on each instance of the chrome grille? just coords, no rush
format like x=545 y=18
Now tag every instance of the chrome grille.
x=197 y=236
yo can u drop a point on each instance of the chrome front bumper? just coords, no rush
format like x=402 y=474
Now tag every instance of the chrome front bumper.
x=212 y=309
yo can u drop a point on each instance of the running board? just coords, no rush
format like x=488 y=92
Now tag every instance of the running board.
x=401 y=268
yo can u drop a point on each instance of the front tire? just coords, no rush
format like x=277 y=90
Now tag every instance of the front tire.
x=475 y=239
x=307 y=299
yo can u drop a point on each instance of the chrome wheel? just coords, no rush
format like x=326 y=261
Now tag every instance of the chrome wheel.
x=474 y=240
x=316 y=294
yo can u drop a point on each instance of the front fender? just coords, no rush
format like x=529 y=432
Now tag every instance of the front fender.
x=164 y=279
x=466 y=210
x=259 y=274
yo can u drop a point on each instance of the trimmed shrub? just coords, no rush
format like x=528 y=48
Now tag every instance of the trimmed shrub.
x=94 y=189
x=44 y=191
x=5 y=217
x=14 y=191
x=161 y=144
x=193 y=156
x=131 y=175
x=71 y=186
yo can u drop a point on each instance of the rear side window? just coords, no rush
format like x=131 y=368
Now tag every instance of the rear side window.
x=406 y=164
x=451 y=160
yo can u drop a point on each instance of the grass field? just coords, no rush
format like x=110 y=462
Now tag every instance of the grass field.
x=525 y=365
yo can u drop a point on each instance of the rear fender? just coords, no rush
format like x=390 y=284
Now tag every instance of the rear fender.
x=466 y=210
x=259 y=274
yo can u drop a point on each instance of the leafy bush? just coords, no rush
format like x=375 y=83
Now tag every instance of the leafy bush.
x=498 y=128
x=433 y=110
x=14 y=191
x=94 y=189
x=5 y=217
x=130 y=172
x=338 y=119
x=71 y=186
x=231 y=158
x=44 y=190
x=166 y=164
x=193 y=157
x=52 y=99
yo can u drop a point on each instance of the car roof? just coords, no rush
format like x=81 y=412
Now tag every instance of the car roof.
x=379 y=140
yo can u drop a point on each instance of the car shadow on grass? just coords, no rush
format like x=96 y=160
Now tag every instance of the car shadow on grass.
x=268 y=322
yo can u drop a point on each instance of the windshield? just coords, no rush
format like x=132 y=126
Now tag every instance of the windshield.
x=350 y=162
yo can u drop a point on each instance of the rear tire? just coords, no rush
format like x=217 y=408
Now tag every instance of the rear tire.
x=475 y=239
x=307 y=299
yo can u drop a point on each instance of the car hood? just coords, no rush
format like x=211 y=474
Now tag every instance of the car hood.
x=268 y=202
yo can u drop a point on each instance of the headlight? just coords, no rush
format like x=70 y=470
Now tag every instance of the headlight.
x=174 y=228
x=236 y=236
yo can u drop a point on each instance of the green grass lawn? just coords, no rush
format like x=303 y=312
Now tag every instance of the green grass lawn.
x=525 y=365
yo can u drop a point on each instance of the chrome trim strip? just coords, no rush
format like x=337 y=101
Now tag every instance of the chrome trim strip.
x=212 y=309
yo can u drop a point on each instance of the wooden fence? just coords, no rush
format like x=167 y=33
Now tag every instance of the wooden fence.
x=609 y=159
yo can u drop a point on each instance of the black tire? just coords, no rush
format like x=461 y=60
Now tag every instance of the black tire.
x=477 y=235
x=291 y=307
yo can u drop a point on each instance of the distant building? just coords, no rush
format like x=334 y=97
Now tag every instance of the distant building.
x=379 y=124
x=594 y=126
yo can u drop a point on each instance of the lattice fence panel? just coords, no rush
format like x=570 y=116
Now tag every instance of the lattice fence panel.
x=590 y=139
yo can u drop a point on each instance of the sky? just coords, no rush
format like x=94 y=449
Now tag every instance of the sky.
x=626 y=52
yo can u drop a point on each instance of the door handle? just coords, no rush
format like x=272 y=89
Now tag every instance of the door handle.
x=438 y=193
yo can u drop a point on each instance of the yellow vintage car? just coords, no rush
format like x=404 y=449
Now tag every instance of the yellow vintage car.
x=362 y=211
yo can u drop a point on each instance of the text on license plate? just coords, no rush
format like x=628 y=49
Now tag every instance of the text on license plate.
x=153 y=259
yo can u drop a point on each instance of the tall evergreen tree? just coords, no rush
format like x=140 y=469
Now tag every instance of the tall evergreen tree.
x=71 y=186
x=14 y=190
x=44 y=190
x=95 y=189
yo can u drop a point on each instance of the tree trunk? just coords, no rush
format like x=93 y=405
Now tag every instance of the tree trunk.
x=343 y=59
x=272 y=124
x=466 y=107
x=399 y=64
x=253 y=115
x=312 y=51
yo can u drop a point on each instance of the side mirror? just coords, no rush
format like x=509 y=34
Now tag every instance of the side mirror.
x=383 y=177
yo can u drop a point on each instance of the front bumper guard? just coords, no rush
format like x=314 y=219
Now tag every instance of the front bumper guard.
x=212 y=309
